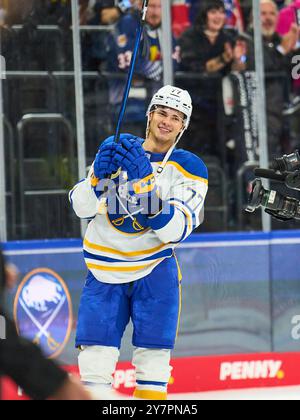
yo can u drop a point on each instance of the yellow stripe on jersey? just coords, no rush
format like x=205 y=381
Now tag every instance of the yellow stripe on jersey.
x=120 y=268
x=178 y=268
x=180 y=307
x=146 y=394
x=185 y=213
x=180 y=293
x=184 y=172
x=122 y=253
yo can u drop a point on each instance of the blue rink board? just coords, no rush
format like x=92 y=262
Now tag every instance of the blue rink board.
x=240 y=291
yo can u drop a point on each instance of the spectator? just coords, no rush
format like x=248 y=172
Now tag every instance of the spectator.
x=149 y=67
x=95 y=46
x=277 y=60
x=234 y=14
x=23 y=362
x=207 y=48
x=3 y=14
x=86 y=11
x=287 y=17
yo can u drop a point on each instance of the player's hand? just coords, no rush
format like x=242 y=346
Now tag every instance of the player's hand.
x=228 y=53
x=104 y=164
x=141 y=191
x=131 y=157
x=289 y=40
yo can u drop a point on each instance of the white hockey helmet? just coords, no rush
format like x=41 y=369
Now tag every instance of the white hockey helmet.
x=175 y=98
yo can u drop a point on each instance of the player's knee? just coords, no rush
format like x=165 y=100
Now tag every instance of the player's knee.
x=152 y=364
x=97 y=364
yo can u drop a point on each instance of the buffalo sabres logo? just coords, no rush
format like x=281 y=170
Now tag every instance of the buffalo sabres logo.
x=43 y=311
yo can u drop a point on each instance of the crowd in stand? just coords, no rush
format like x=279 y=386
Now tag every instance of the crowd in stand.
x=213 y=55
x=210 y=38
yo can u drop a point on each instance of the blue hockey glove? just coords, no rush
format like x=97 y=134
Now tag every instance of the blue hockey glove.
x=104 y=164
x=141 y=190
x=131 y=157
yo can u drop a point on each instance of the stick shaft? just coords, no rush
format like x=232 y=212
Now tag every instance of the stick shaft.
x=131 y=70
x=103 y=199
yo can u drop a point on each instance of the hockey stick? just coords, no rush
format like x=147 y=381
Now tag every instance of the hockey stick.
x=131 y=69
x=103 y=200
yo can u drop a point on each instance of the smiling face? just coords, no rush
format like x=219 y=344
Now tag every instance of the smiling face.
x=215 y=19
x=165 y=124
x=269 y=17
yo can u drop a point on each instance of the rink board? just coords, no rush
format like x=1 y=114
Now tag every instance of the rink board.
x=241 y=295
x=203 y=374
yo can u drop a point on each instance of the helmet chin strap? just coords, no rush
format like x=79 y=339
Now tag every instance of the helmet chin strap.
x=168 y=155
x=170 y=151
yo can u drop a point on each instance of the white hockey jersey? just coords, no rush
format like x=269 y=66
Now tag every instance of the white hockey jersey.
x=118 y=249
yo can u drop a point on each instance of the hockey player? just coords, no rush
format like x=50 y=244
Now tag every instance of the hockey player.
x=133 y=271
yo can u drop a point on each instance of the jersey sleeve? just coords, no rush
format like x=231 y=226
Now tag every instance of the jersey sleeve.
x=83 y=198
x=183 y=210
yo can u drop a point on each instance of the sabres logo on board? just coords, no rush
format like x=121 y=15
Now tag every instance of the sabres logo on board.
x=43 y=310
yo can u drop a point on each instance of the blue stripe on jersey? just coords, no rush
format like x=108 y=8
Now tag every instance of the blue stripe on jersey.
x=188 y=207
x=162 y=219
x=176 y=200
x=72 y=191
x=162 y=254
x=151 y=383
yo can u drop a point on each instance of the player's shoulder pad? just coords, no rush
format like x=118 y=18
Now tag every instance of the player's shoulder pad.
x=190 y=163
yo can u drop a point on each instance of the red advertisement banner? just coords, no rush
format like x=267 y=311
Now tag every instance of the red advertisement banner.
x=200 y=374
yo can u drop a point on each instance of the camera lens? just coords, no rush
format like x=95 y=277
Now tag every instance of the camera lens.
x=256 y=195
x=270 y=199
x=287 y=163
